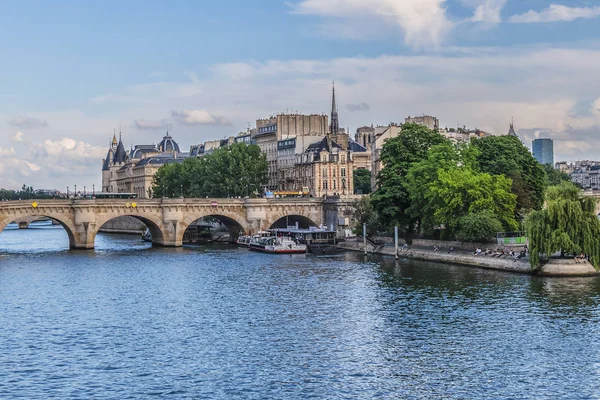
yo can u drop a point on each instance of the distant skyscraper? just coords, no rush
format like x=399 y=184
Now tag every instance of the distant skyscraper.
x=543 y=151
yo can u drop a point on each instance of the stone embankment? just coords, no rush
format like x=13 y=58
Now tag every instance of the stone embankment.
x=554 y=267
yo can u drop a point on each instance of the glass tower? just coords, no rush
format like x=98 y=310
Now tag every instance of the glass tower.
x=543 y=151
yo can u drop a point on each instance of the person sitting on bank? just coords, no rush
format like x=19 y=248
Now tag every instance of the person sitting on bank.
x=477 y=251
x=435 y=248
x=450 y=250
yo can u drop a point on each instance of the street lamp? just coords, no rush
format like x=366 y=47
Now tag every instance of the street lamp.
x=67 y=192
x=84 y=193
x=181 y=191
x=75 y=190
x=93 y=190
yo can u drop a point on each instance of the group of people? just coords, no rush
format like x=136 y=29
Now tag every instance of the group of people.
x=501 y=253
x=580 y=258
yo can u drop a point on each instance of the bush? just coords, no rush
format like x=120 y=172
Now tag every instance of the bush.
x=478 y=227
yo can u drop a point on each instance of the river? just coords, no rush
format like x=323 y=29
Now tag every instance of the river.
x=129 y=321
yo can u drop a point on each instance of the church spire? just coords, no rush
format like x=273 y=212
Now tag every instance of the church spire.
x=334 y=126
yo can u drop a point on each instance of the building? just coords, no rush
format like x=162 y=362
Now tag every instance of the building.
x=133 y=171
x=543 y=151
x=364 y=136
x=511 y=130
x=382 y=134
x=281 y=127
x=426 y=120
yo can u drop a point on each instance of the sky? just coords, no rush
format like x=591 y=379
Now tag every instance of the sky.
x=73 y=72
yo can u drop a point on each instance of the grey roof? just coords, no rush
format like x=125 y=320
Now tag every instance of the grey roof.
x=168 y=144
x=356 y=147
x=160 y=160
x=120 y=153
x=106 y=164
x=141 y=149
x=322 y=146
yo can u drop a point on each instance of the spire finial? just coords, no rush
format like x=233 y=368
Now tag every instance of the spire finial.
x=334 y=127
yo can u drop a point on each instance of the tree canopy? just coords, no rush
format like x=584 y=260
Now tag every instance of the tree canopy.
x=362 y=181
x=447 y=190
x=506 y=155
x=238 y=170
x=392 y=198
x=568 y=224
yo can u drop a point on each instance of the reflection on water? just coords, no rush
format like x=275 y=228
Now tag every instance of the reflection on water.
x=130 y=321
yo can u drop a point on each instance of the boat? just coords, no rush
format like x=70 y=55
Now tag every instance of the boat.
x=317 y=240
x=245 y=240
x=277 y=245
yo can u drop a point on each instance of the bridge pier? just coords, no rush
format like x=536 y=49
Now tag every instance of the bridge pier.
x=23 y=224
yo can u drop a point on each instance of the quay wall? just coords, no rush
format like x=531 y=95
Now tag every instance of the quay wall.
x=554 y=267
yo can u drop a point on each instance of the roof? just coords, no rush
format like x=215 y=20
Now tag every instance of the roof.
x=120 y=154
x=141 y=149
x=161 y=159
x=356 y=147
x=167 y=144
x=106 y=163
x=321 y=146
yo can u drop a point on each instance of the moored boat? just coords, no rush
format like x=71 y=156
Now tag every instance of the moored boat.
x=277 y=245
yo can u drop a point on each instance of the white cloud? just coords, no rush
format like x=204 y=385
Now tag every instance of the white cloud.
x=358 y=107
x=24 y=122
x=556 y=12
x=5 y=152
x=486 y=10
x=150 y=124
x=198 y=117
x=424 y=22
x=18 y=136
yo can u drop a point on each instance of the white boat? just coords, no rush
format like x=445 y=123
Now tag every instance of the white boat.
x=245 y=240
x=277 y=245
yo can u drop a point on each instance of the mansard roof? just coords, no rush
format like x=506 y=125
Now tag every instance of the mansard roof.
x=322 y=146
x=356 y=147
x=141 y=149
x=161 y=159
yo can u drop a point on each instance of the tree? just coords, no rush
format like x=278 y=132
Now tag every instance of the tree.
x=392 y=198
x=364 y=213
x=446 y=190
x=478 y=227
x=238 y=170
x=555 y=177
x=568 y=224
x=362 y=181
x=506 y=155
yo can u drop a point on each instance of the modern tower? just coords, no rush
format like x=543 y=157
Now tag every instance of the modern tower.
x=543 y=151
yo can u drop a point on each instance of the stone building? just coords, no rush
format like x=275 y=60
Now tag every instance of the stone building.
x=364 y=136
x=382 y=134
x=133 y=171
x=426 y=120
x=281 y=127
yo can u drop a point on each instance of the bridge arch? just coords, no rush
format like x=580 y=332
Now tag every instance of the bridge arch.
x=283 y=220
x=154 y=224
x=66 y=223
x=234 y=223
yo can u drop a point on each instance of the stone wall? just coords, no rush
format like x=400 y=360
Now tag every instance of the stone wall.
x=123 y=225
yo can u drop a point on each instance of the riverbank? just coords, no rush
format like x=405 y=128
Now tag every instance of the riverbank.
x=554 y=267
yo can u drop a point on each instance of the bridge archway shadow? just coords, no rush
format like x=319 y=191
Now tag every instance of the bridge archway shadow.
x=153 y=226
x=66 y=225
x=291 y=220
x=213 y=227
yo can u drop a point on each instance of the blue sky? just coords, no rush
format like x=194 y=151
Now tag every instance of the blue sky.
x=73 y=71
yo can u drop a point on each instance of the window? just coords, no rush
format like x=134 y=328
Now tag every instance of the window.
x=325 y=185
x=324 y=173
x=343 y=183
x=343 y=172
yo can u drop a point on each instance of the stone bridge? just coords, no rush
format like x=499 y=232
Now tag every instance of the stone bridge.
x=167 y=219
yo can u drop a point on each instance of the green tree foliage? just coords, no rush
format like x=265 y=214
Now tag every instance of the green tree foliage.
x=26 y=193
x=555 y=177
x=362 y=181
x=238 y=170
x=478 y=227
x=506 y=155
x=364 y=213
x=568 y=224
x=445 y=188
x=392 y=198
